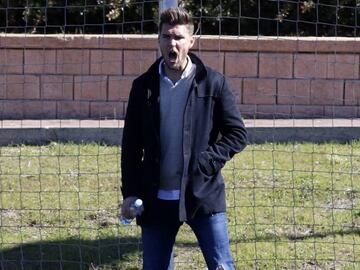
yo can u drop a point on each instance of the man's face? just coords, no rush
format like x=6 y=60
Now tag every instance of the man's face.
x=175 y=42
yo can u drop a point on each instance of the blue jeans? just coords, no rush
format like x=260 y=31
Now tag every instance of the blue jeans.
x=210 y=230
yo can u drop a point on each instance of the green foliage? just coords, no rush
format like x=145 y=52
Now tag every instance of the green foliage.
x=278 y=18
x=215 y=17
x=78 y=16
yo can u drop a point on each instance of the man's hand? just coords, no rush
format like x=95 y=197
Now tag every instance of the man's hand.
x=125 y=208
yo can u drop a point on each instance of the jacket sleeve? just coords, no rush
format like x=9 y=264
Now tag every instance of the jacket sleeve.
x=233 y=135
x=132 y=145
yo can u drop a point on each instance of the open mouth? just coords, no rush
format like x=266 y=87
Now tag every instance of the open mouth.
x=172 y=56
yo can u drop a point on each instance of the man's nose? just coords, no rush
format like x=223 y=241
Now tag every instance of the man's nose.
x=172 y=42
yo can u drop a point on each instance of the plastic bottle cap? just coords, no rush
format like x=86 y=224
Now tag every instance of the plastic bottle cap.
x=138 y=203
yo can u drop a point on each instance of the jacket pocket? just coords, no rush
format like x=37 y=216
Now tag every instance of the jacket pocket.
x=206 y=177
x=203 y=185
x=208 y=165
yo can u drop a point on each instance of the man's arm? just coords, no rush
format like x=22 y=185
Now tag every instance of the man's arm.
x=132 y=146
x=233 y=135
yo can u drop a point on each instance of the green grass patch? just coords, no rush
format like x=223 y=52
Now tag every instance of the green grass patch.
x=290 y=206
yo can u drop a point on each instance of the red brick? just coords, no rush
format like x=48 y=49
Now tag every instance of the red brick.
x=22 y=87
x=341 y=111
x=327 y=44
x=214 y=60
x=138 y=61
x=30 y=109
x=106 y=62
x=352 y=92
x=106 y=110
x=225 y=43
x=309 y=65
x=57 y=87
x=327 y=92
x=343 y=66
x=294 y=92
x=307 y=111
x=91 y=88
x=273 y=111
x=73 y=62
x=253 y=43
x=119 y=87
x=259 y=91
x=39 y=109
x=73 y=109
x=10 y=109
x=241 y=64
x=125 y=108
x=248 y=111
x=40 y=61
x=235 y=85
x=2 y=86
x=276 y=65
x=131 y=42
x=11 y=61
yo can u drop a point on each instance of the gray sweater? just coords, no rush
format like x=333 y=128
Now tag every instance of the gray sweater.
x=173 y=99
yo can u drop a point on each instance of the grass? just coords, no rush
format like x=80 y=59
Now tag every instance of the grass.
x=290 y=206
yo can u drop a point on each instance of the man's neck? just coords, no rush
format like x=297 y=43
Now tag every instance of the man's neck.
x=173 y=74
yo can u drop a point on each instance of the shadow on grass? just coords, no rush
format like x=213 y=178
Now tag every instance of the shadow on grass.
x=109 y=253
x=97 y=254
x=304 y=236
x=290 y=237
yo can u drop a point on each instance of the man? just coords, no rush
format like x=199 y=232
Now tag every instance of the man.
x=182 y=125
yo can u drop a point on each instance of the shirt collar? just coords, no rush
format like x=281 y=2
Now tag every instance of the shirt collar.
x=186 y=73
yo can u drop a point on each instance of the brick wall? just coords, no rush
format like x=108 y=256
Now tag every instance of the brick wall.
x=43 y=77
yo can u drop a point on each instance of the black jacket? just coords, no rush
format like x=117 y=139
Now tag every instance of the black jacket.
x=213 y=133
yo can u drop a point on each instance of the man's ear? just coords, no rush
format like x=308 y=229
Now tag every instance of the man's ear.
x=192 y=41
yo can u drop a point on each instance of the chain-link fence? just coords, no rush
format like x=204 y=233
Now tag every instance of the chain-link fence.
x=293 y=194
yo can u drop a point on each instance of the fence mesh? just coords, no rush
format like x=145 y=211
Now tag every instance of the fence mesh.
x=292 y=195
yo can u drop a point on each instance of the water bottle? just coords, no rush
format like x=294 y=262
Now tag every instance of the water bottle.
x=136 y=208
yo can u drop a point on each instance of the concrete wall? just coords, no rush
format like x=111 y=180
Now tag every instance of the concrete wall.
x=65 y=76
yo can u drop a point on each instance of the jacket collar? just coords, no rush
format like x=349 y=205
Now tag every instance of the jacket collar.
x=153 y=88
